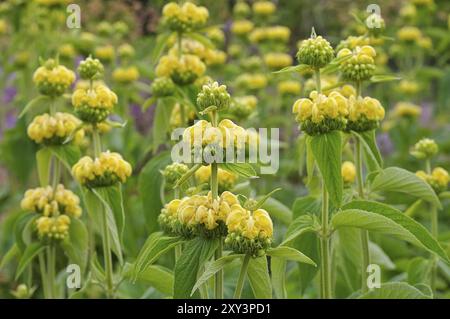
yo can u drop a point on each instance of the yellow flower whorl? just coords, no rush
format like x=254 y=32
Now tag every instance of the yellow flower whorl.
x=276 y=60
x=242 y=27
x=52 y=79
x=320 y=114
x=94 y=105
x=438 y=179
x=270 y=34
x=183 y=70
x=364 y=113
x=253 y=82
x=126 y=75
x=249 y=232
x=186 y=17
x=105 y=53
x=361 y=64
x=54 y=129
x=407 y=110
x=105 y=170
x=264 y=8
x=56 y=206
x=348 y=171
x=289 y=87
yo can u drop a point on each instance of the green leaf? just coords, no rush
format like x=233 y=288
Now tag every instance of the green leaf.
x=383 y=218
x=418 y=271
x=195 y=253
x=23 y=229
x=161 y=123
x=149 y=102
x=327 y=150
x=156 y=245
x=39 y=101
x=395 y=290
x=241 y=169
x=211 y=268
x=384 y=78
x=76 y=244
x=293 y=69
x=202 y=39
x=396 y=179
x=290 y=253
x=149 y=184
x=278 y=267
x=259 y=278
x=155 y=276
x=301 y=225
x=67 y=154
x=371 y=152
x=9 y=255
x=43 y=160
x=112 y=210
x=30 y=252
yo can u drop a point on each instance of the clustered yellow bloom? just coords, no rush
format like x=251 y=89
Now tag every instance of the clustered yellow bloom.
x=249 y=232
x=198 y=215
x=289 y=87
x=409 y=87
x=215 y=57
x=242 y=27
x=426 y=148
x=56 y=207
x=126 y=75
x=409 y=34
x=186 y=17
x=105 y=53
x=94 y=105
x=320 y=113
x=226 y=134
x=277 y=60
x=438 y=179
x=52 y=79
x=67 y=51
x=54 y=129
x=3 y=26
x=252 y=81
x=348 y=172
x=263 y=8
x=407 y=110
x=216 y=35
x=270 y=34
x=105 y=170
x=360 y=65
x=226 y=179
x=364 y=113
x=46 y=201
x=242 y=106
x=183 y=70
x=347 y=90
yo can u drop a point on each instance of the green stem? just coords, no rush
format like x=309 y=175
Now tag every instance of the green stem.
x=183 y=115
x=51 y=275
x=105 y=232
x=43 y=270
x=428 y=166
x=435 y=233
x=358 y=85
x=363 y=233
x=97 y=142
x=325 y=271
x=56 y=172
x=219 y=274
x=242 y=274
x=107 y=256
x=318 y=83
